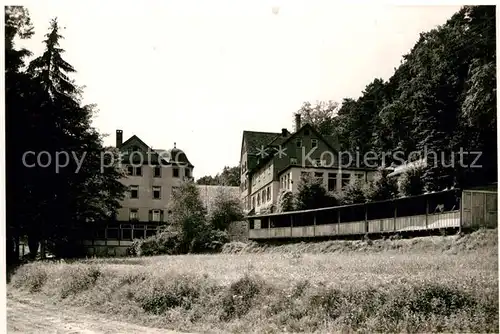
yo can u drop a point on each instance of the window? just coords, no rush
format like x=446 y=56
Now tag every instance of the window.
x=293 y=161
x=258 y=199
x=156 y=215
x=187 y=172
x=346 y=179
x=263 y=196
x=268 y=193
x=134 y=191
x=134 y=214
x=156 y=192
x=360 y=176
x=306 y=132
x=299 y=142
x=174 y=189
x=253 y=202
x=314 y=143
x=134 y=171
x=332 y=181
x=176 y=172
x=157 y=171
x=318 y=175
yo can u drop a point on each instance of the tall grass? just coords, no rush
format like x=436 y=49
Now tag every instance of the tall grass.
x=276 y=292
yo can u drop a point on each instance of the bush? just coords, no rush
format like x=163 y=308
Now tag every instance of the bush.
x=226 y=209
x=209 y=241
x=163 y=243
x=412 y=183
x=286 y=201
x=354 y=193
x=312 y=195
x=382 y=187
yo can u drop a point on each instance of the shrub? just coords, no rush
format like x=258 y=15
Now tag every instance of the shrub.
x=163 y=243
x=312 y=194
x=354 y=193
x=382 y=187
x=412 y=183
x=286 y=201
x=209 y=241
x=226 y=209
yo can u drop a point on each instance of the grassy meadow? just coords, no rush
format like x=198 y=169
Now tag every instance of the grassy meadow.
x=431 y=284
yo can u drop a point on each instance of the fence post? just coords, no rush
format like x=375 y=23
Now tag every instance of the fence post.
x=366 y=218
x=426 y=213
x=461 y=211
x=314 y=222
x=338 y=222
x=485 y=211
x=395 y=214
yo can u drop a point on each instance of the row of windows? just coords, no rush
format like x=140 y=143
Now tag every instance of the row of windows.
x=156 y=191
x=137 y=171
x=262 y=175
x=286 y=181
x=154 y=215
x=314 y=143
x=332 y=179
x=262 y=197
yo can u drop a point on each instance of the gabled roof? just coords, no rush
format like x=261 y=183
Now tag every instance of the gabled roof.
x=255 y=140
x=134 y=137
x=319 y=135
x=281 y=140
x=171 y=156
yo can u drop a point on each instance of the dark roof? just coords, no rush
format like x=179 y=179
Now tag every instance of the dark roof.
x=132 y=138
x=279 y=139
x=255 y=140
x=178 y=156
x=172 y=156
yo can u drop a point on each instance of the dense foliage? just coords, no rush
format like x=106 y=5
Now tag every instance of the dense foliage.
x=51 y=200
x=441 y=99
x=230 y=176
x=190 y=229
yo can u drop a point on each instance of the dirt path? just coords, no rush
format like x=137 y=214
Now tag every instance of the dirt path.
x=26 y=315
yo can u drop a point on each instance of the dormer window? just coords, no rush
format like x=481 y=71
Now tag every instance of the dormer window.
x=314 y=143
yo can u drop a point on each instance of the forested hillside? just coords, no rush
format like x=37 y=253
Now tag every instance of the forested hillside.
x=442 y=98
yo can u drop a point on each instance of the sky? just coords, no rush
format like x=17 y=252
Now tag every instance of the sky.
x=199 y=74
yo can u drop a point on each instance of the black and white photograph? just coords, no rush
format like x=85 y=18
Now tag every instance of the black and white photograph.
x=249 y=167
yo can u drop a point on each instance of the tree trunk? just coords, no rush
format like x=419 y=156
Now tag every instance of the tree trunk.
x=33 y=244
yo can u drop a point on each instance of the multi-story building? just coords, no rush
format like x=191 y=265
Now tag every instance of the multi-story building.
x=272 y=162
x=153 y=174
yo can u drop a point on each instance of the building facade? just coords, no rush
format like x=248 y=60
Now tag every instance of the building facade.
x=152 y=176
x=275 y=162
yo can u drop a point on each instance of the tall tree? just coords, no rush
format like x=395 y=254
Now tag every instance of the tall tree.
x=19 y=92
x=230 y=176
x=321 y=116
x=54 y=202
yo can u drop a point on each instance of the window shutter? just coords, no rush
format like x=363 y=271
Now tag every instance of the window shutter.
x=150 y=215
x=161 y=215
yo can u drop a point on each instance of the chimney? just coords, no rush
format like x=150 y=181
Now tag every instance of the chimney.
x=119 y=138
x=297 y=122
x=284 y=132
